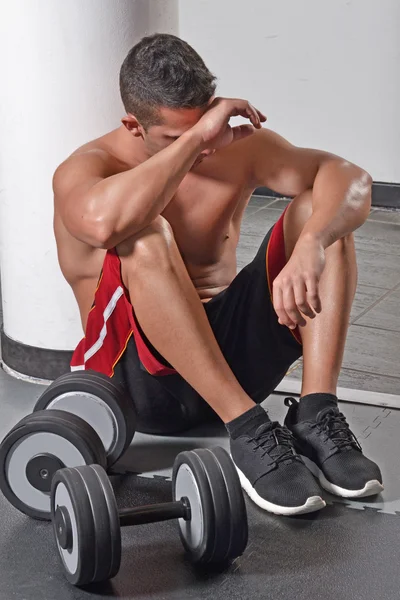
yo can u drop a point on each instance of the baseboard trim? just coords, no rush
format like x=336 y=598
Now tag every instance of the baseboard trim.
x=30 y=362
x=22 y=377
x=384 y=195
x=289 y=385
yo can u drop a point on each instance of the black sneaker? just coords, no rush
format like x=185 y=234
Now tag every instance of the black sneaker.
x=332 y=453
x=271 y=472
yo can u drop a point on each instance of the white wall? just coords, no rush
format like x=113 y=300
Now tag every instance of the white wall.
x=59 y=88
x=326 y=72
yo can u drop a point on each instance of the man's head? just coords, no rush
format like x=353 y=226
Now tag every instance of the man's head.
x=165 y=87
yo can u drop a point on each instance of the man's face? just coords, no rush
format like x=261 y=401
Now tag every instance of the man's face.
x=174 y=122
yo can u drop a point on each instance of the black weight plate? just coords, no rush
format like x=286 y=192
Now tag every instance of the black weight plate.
x=126 y=404
x=102 y=387
x=190 y=480
x=79 y=561
x=87 y=495
x=65 y=436
x=105 y=391
x=107 y=493
x=220 y=500
x=237 y=505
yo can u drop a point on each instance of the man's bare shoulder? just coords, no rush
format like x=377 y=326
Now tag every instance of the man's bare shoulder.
x=94 y=160
x=248 y=149
x=244 y=155
x=267 y=139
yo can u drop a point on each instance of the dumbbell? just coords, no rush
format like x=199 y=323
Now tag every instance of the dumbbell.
x=207 y=502
x=82 y=418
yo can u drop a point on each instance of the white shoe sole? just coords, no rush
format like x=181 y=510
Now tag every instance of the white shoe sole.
x=312 y=504
x=370 y=489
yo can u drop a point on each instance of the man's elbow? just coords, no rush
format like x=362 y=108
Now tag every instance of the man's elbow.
x=365 y=192
x=106 y=235
x=366 y=181
x=96 y=232
x=360 y=192
x=102 y=236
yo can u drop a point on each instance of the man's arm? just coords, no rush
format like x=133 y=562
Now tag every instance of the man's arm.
x=103 y=209
x=341 y=191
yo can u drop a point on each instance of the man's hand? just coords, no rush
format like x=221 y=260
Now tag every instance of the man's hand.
x=214 y=127
x=295 y=291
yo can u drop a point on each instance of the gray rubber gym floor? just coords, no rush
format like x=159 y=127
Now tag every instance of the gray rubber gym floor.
x=349 y=550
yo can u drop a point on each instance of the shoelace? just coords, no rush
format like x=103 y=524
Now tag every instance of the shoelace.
x=335 y=425
x=275 y=440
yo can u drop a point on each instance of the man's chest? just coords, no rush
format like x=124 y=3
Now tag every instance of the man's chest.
x=204 y=214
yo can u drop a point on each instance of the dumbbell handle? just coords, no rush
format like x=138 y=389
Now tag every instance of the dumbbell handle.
x=153 y=513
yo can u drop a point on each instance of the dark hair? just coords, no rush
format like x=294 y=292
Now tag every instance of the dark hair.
x=163 y=70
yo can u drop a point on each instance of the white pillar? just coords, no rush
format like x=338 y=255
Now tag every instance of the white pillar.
x=59 y=89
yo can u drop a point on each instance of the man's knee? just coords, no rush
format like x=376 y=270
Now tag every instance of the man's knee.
x=344 y=245
x=148 y=249
x=300 y=209
x=298 y=213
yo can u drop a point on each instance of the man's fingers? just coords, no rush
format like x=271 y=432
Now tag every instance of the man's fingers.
x=243 y=108
x=238 y=107
x=291 y=302
x=261 y=115
x=300 y=296
x=290 y=306
x=241 y=131
x=313 y=295
x=253 y=116
x=280 y=308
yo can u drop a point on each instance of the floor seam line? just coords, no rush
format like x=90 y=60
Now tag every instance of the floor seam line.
x=374 y=304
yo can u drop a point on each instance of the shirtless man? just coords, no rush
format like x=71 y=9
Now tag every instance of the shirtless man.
x=147 y=221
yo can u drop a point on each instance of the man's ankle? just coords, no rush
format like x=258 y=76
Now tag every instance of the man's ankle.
x=248 y=422
x=236 y=409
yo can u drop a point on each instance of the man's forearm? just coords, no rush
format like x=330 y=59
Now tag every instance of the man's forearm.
x=341 y=201
x=128 y=202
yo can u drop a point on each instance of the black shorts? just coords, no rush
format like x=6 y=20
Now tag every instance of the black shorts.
x=257 y=348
